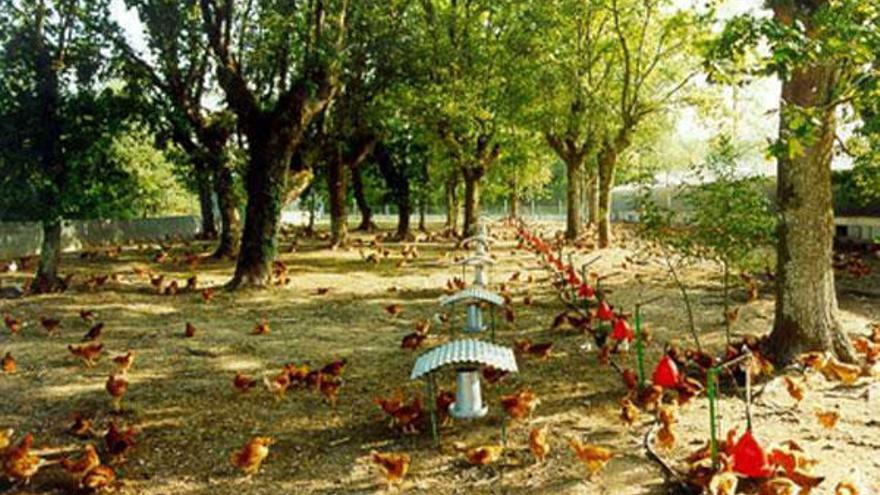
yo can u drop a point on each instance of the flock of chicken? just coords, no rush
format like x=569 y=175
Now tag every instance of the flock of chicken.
x=679 y=377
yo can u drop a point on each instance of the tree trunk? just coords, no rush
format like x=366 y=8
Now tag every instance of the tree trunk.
x=593 y=199
x=46 y=279
x=266 y=185
x=230 y=228
x=423 y=207
x=452 y=205
x=573 y=220
x=471 y=203
x=607 y=163
x=337 y=185
x=513 y=203
x=357 y=184
x=206 y=202
x=806 y=302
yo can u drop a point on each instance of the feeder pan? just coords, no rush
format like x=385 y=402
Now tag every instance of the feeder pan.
x=467 y=357
x=473 y=295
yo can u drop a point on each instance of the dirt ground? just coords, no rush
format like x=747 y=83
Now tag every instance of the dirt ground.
x=191 y=419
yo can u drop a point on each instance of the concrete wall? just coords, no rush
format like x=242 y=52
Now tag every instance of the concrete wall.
x=24 y=238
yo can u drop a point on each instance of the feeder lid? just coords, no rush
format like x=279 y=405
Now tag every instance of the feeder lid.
x=476 y=261
x=473 y=294
x=467 y=351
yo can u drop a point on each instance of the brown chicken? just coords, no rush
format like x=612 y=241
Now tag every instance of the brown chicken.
x=242 y=382
x=13 y=324
x=87 y=315
x=538 y=443
x=99 y=478
x=444 y=399
x=192 y=283
x=116 y=386
x=390 y=405
x=189 y=331
x=393 y=309
x=412 y=341
x=630 y=378
x=94 y=333
x=19 y=465
x=157 y=282
x=81 y=427
x=408 y=417
x=484 y=455
x=329 y=388
x=8 y=363
x=794 y=390
x=207 y=295
x=278 y=385
x=394 y=466
x=124 y=362
x=297 y=372
x=86 y=462
x=665 y=435
x=493 y=375
x=593 y=457
x=261 y=328
x=629 y=413
x=119 y=442
x=50 y=324
x=423 y=326
x=519 y=405
x=89 y=354
x=172 y=289
x=335 y=368
x=828 y=419
x=252 y=454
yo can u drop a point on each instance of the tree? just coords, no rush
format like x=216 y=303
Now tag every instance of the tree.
x=178 y=48
x=50 y=59
x=278 y=65
x=820 y=50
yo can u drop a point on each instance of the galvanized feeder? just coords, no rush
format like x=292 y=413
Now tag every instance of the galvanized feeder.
x=467 y=356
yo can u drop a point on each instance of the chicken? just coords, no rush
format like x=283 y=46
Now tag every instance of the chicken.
x=394 y=466
x=630 y=378
x=94 y=333
x=794 y=390
x=444 y=399
x=119 y=442
x=278 y=385
x=629 y=413
x=828 y=419
x=423 y=326
x=172 y=289
x=19 y=465
x=207 y=295
x=541 y=351
x=157 y=282
x=86 y=462
x=13 y=324
x=408 y=417
x=724 y=483
x=90 y=354
x=116 y=386
x=8 y=364
x=538 y=443
x=520 y=404
x=329 y=388
x=50 y=324
x=335 y=368
x=124 y=362
x=81 y=427
x=252 y=454
x=189 y=331
x=192 y=283
x=390 y=405
x=493 y=375
x=393 y=309
x=593 y=457
x=412 y=341
x=322 y=290
x=847 y=374
x=242 y=382
x=296 y=372
x=261 y=328
x=99 y=478
x=87 y=315
x=484 y=455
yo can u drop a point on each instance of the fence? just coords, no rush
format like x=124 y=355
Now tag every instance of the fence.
x=24 y=238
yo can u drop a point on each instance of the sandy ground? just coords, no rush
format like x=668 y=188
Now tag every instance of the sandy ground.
x=191 y=418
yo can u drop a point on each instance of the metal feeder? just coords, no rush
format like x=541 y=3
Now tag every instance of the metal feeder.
x=469 y=355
